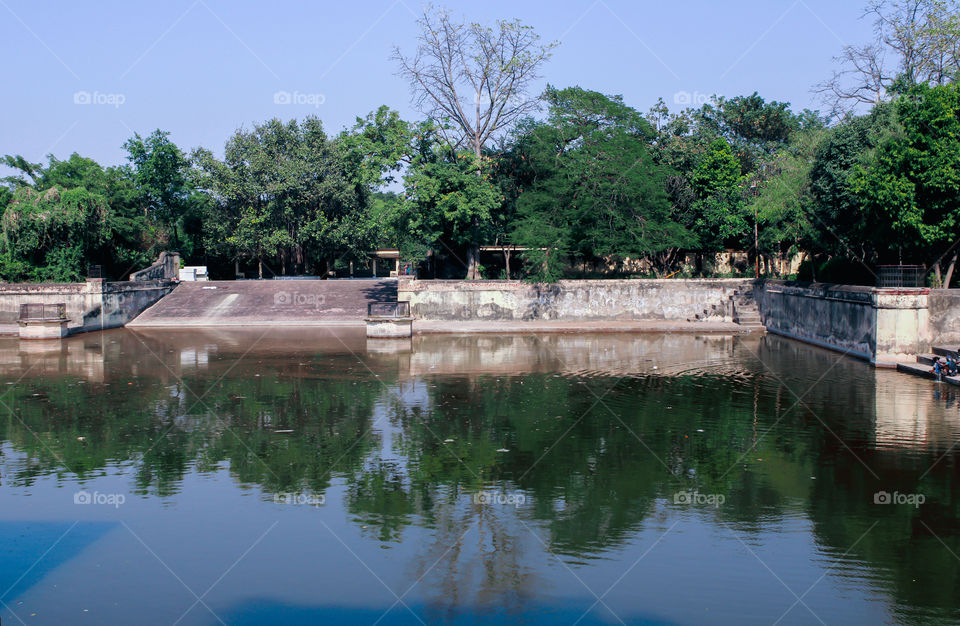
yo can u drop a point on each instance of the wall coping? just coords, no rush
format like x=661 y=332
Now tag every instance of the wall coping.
x=408 y=284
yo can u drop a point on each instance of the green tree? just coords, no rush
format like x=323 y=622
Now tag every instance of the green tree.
x=257 y=236
x=913 y=182
x=285 y=176
x=753 y=127
x=783 y=201
x=50 y=235
x=719 y=215
x=588 y=185
x=111 y=189
x=447 y=204
x=843 y=227
x=160 y=171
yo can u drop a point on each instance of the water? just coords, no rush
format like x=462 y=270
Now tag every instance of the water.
x=294 y=476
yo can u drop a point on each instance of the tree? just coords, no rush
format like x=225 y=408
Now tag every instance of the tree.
x=112 y=193
x=915 y=42
x=448 y=198
x=719 y=211
x=257 y=236
x=588 y=185
x=843 y=227
x=50 y=235
x=160 y=171
x=284 y=177
x=783 y=202
x=913 y=183
x=474 y=80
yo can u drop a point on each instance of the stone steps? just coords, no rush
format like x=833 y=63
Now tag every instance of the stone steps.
x=924 y=365
x=924 y=371
x=944 y=351
x=745 y=310
x=740 y=307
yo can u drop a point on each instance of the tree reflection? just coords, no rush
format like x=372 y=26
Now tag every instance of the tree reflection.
x=594 y=455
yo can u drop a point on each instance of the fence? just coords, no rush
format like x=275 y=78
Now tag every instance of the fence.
x=901 y=276
x=43 y=311
x=388 y=309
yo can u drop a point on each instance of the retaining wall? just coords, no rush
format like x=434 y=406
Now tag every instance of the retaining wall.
x=945 y=317
x=573 y=300
x=93 y=305
x=883 y=326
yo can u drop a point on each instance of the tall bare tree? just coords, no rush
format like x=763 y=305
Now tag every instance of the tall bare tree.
x=917 y=41
x=474 y=79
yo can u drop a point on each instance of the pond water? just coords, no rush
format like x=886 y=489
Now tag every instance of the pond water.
x=280 y=476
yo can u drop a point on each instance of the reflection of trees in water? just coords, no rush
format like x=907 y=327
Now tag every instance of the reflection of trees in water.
x=84 y=428
x=589 y=484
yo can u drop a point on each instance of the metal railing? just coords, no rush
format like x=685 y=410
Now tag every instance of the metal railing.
x=388 y=309
x=43 y=311
x=901 y=276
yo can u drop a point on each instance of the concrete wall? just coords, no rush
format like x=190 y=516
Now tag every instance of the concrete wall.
x=945 y=317
x=167 y=267
x=883 y=326
x=587 y=300
x=834 y=316
x=93 y=305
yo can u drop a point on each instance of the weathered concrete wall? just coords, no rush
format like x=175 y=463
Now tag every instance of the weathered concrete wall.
x=945 y=317
x=572 y=300
x=903 y=324
x=834 y=316
x=93 y=305
x=167 y=267
x=881 y=325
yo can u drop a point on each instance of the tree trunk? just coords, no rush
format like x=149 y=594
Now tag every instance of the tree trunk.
x=506 y=261
x=473 y=262
x=950 y=268
x=236 y=268
x=260 y=267
x=936 y=272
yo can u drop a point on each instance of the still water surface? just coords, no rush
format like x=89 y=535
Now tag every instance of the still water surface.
x=279 y=477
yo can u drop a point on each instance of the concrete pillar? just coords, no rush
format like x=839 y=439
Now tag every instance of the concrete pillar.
x=902 y=329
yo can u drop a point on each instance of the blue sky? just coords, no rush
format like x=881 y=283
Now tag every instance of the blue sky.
x=83 y=77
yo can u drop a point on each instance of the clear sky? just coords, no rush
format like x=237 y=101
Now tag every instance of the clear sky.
x=84 y=76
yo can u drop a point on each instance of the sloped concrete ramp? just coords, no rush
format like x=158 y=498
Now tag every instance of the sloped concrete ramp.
x=267 y=303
